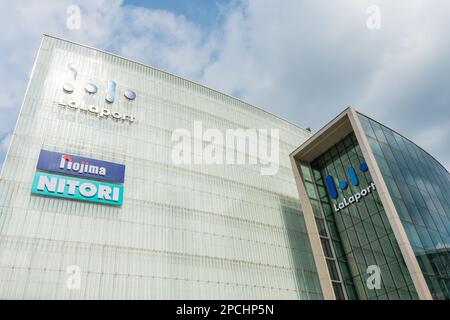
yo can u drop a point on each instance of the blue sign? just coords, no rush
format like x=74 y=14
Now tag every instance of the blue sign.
x=343 y=184
x=68 y=164
x=53 y=185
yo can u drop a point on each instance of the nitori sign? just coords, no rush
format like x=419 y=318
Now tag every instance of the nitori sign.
x=58 y=176
x=77 y=189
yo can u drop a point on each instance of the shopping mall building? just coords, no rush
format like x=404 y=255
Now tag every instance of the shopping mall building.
x=94 y=204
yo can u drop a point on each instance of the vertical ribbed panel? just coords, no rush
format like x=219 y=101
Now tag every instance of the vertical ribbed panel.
x=184 y=232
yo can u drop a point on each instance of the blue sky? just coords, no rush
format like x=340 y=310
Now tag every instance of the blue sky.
x=204 y=12
x=303 y=60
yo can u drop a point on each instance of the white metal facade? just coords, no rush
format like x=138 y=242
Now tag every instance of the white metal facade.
x=183 y=232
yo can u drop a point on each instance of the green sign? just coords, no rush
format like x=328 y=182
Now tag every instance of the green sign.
x=66 y=187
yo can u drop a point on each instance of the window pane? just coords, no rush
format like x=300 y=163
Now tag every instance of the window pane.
x=332 y=269
x=338 y=291
x=326 y=248
x=306 y=172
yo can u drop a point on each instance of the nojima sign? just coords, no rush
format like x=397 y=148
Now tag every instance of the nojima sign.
x=61 y=175
x=79 y=166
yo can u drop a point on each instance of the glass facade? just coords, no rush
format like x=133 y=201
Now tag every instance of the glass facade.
x=358 y=236
x=184 y=231
x=420 y=189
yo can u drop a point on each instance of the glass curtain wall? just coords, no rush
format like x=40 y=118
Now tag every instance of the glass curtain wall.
x=420 y=189
x=359 y=235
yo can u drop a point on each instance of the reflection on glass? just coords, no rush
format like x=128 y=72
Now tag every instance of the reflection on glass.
x=420 y=189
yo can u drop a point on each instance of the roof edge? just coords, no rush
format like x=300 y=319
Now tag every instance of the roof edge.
x=174 y=75
x=404 y=137
x=329 y=125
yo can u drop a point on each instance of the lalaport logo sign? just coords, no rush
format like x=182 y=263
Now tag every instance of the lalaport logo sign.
x=91 y=89
x=78 y=178
x=343 y=185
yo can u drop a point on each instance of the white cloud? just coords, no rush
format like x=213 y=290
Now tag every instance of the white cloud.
x=302 y=60
x=164 y=39
x=308 y=60
x=435 y=138
x=160 y=38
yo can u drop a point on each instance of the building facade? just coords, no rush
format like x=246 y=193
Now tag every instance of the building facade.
x=377 y=210
x=92 y=205
x=108 y=192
